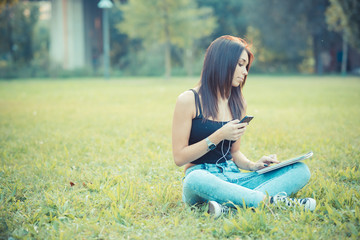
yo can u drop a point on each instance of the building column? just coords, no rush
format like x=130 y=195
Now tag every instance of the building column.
x=67 y=34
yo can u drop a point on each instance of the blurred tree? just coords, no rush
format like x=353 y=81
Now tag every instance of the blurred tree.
x=288 y=29
x=120 y=43
x=166 y=22
x=17 y=22
x=281 y=34
x=4 y=3
x=344 y=17
x=231 y=21
x=40 y=62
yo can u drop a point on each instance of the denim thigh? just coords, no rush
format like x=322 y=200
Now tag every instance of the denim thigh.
x=289 y=179
x=252 y=186
x=218 y=182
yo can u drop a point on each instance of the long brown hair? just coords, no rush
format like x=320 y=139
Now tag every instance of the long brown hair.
x=220 y=62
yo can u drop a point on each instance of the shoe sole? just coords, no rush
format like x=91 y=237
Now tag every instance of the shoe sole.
x=214 y=209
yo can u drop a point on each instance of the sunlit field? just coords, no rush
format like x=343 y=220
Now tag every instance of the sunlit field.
x=91 y=159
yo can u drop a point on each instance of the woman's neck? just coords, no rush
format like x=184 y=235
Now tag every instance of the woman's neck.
x=224 y=113
x=223 y=99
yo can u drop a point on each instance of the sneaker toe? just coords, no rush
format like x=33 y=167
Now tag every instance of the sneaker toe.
x=310 y=204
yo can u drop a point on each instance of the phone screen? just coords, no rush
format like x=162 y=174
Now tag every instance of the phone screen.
x=246 y=119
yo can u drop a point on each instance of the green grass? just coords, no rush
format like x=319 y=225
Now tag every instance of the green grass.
x=113 y=141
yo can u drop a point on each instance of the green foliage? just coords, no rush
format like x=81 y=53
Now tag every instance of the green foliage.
x=88 y=159
x=231 y=18
x=278 y=28
x=343 y=16
x=178 y=23
x=16 y=24
x=24 y=42
x=148 y=20
x=3 y=3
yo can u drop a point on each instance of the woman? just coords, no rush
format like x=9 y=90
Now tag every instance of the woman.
x=206 y=137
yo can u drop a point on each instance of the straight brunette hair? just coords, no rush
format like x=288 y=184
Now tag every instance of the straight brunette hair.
x=220 y=62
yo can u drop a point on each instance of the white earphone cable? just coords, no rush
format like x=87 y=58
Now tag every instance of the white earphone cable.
x=222 y=143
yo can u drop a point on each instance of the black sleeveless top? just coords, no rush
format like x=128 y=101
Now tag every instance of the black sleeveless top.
x=202 y=128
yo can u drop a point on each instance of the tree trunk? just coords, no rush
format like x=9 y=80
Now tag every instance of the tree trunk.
x=344 y=55
x=189 y=61
x=9 y=34
x=167 y=60
x=317 y=50
x=167 y=47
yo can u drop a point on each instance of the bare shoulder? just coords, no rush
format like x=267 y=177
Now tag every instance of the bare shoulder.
x=185 y=103
x=186 y=98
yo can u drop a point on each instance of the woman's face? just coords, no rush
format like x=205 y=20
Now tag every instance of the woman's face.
x=240 y=70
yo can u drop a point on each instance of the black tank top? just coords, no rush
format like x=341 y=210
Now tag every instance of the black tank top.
x=202 y=128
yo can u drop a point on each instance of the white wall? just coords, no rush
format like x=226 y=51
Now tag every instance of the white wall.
x=67 y=43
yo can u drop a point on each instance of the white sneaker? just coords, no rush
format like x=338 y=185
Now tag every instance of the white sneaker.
x=217 y=209
x=307 y=203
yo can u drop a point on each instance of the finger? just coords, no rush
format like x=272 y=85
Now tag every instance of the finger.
x=275 y=161
x=261 y=166
x=241 y=130
x=274 y=158
x=267 y=160
x=241 y=125
x=236 y=121
x=239 y=135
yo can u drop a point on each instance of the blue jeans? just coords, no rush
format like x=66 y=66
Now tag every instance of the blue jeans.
x=224 y=183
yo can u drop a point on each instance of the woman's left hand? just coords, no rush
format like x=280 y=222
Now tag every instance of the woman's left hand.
x=264 y=161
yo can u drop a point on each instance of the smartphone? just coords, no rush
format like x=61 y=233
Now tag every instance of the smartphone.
x=246 y=119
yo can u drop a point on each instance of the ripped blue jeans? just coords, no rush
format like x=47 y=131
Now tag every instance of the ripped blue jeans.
x=224 y=183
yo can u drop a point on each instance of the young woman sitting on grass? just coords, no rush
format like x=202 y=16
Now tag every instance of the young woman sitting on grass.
x=206 y=137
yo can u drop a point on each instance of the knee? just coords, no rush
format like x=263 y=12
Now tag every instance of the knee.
x=303 y=171
x=191 y=185
x=194 y=178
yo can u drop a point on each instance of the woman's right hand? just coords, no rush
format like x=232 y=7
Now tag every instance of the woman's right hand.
x=233 y=130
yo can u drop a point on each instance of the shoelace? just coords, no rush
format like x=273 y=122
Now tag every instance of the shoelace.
x=282 y=197
x=224 y=209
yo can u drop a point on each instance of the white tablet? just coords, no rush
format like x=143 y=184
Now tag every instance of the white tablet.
x=285 y=163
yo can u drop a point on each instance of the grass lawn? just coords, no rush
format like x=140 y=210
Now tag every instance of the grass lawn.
x=91 y=159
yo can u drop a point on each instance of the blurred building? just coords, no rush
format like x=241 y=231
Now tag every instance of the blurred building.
x=75 y=33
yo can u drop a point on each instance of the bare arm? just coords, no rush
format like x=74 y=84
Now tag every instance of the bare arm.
x=182 y=120
x=185 y=111
x=239 y=158
x=243 y=162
